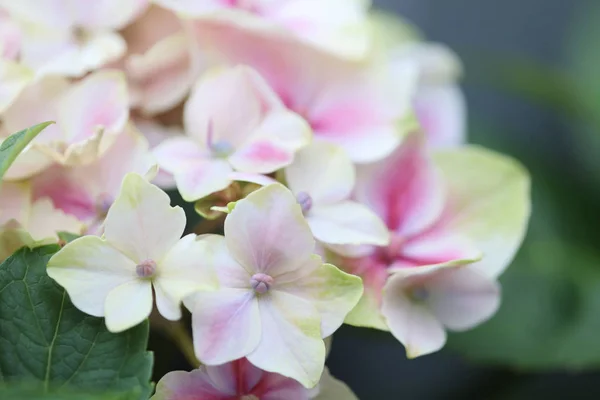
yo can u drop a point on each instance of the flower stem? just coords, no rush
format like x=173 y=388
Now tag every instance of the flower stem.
x=178 y=333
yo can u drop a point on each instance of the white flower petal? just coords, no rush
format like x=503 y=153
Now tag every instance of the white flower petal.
x=141 y=222
x=89 y=268
x=128 y=305
x=291 y=343
x=324 y=171
x=347 y=223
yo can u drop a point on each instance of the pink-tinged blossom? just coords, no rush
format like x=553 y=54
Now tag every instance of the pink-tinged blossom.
x=88 y=191
x=241 y=380
x=439 y=102
x=25 y=222
x=277 y=300
x=358 y=106
x=233 y=122
x=161 y=63
x=337 y=26
x=322 y=179
x=140 y=256
x=442 y=213
x=89 y=115
x=71 y=38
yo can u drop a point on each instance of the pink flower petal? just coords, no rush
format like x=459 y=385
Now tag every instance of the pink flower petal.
x=404 y=189
x=226 y=324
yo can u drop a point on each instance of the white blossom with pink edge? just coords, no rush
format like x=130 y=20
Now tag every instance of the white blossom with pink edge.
x=139 y=256
x=241 y=379
x=71 y=38
x=277 y=300
x=322 y=177
x=358 y=106
x=234 y=122
x=337 y=26
x=89 y=115
x=442 y=214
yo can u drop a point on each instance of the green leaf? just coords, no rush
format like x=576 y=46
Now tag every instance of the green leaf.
x=32 y=391
x=43 y=337
x=13 y=145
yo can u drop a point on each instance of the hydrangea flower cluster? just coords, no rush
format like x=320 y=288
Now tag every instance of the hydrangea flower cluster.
x=327 y=140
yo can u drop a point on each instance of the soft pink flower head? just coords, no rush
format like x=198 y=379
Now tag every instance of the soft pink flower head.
x=338 y=26
x=234 y=122
x=89 y=115
x=357 y=106
x=442 y=213
x=71 y=38
x=161 y=63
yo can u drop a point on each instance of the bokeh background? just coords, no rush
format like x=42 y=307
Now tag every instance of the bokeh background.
x=532 y=82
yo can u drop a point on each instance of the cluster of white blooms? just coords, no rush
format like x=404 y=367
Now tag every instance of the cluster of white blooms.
x=329 y=138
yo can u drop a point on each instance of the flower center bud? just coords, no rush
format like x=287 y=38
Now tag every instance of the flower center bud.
x=222 y=148
x=261 y=283
x=146 y=269
x=305 y=201
x=419 y=294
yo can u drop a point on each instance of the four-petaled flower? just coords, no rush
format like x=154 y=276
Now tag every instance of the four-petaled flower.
x=322 y=177
x=277 y=300
x=234 y=122
x=442 y=213
x=141 y=253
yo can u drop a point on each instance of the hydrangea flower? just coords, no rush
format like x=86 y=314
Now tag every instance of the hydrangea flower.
x=89 y=115
x=25 y=222
x=88 y=191
x=233 y=122
x=71 y=38
x=439 y=103
x=240 y=379
x=276 y=300
x=141 y=253
x=161 y=63
x=358 y=106
x=322 y=177
x=441 y=213
x=338 y=26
